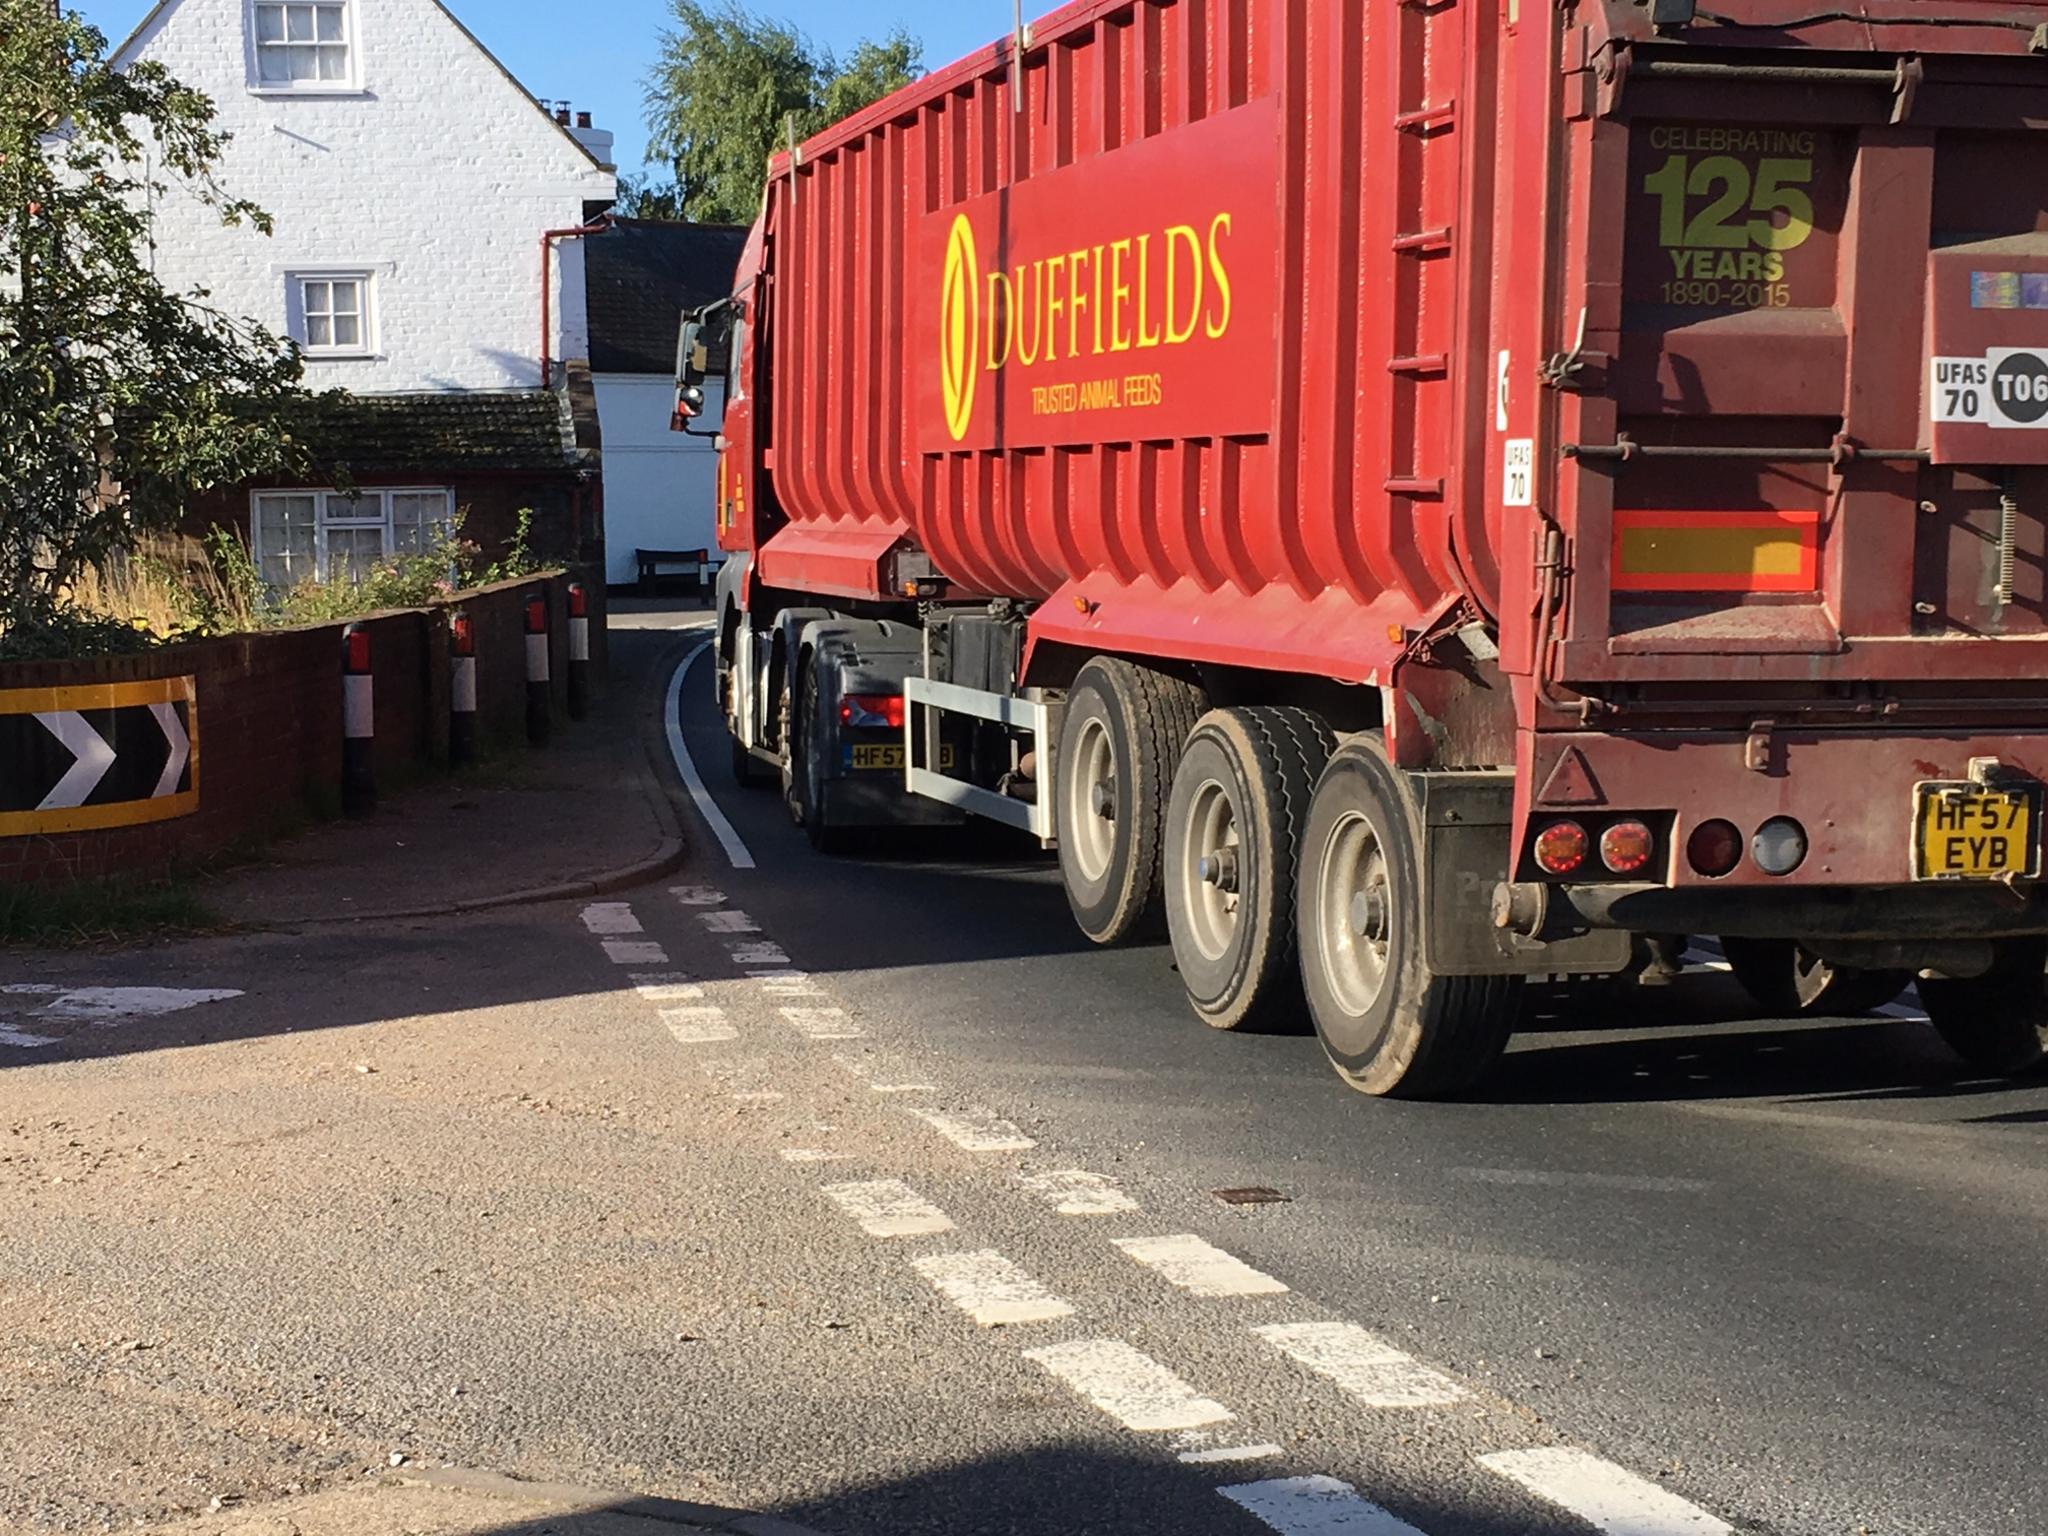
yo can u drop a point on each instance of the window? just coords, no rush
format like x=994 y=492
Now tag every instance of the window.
x=302 y=45
x=332 y=313
x=304 y=536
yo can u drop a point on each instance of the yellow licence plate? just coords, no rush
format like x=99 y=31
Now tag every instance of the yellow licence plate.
x=1972 y=832
x=884 y=754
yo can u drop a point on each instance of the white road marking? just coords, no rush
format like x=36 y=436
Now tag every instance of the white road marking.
x=904 y=1087
x=787 y=983
x=990 y=1289
x=1230 y=1453
x=813 y=1155
x=698 y=895
x=728 y=838
x=635 y=952
x=95 y=1004
x=888 y=1208
x=1199 y=1267
x=759 y=953
x=1073 y=1192
x=1903 y=1010
x=1363 y=1364
x=731 y=921
x=22 y=1041
x=823 y=1023
x=1130 y=1387
x=759 y=1096
x=976 y=1130
x=611 y=917
x=1315 y=1506
x=1603 y=1495
x=666 y=986
x=699 y=1026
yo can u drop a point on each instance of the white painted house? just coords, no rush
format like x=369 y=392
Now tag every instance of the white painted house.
x=411 y=180
x=660 y=485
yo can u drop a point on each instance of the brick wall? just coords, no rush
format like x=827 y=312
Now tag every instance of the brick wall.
x=269 y=716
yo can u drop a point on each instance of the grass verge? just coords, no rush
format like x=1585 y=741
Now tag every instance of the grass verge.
x=101 y=912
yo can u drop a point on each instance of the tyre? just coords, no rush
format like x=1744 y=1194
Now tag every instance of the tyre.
x=1997 y=1022
x=1118 y=748
x=1389 y=1024
x=808 y=753
x=789 y=735
x=1233 y=827
x=1789 y=981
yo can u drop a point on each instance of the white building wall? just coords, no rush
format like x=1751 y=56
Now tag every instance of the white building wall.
x=660 y=487
x=431 y=169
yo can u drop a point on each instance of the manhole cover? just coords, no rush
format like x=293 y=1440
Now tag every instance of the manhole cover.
x=1251 y=1194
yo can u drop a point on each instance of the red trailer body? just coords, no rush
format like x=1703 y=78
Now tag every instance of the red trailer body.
x=1648 y=399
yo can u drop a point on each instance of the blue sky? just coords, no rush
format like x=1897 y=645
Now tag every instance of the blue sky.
x=595 y=52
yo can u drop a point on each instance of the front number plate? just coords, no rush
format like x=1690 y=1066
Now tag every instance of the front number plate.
x=1971 y=832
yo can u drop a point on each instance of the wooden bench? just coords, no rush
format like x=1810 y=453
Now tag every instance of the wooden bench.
x=694 y=565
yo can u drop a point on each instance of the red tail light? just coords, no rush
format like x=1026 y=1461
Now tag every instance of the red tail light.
x=1714 y=849
x=355 y=650
x=579 y=601
x=463 y=632
x=1561 y=848
x=1627 y=846
x=872 y=710
x=536 y=616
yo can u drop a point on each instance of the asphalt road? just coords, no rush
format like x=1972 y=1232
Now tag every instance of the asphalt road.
x=862 y=1192
x=1794 y=1270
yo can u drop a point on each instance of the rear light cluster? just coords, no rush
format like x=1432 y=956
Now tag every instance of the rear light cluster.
x=1566 y=847
x=872 y=711
x=1629 y=846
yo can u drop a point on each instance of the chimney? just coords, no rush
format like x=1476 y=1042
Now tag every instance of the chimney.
x=597 y=140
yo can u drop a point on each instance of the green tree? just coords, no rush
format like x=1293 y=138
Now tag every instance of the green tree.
x=728 y=84
x=119 y=399
x=643 y=197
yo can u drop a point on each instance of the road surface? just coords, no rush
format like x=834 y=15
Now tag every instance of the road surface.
x=863 y=1192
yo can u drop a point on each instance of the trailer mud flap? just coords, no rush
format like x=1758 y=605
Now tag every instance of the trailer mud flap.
x=1468 y=820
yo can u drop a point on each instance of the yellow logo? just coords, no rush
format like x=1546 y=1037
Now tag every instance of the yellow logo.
x=959 y=327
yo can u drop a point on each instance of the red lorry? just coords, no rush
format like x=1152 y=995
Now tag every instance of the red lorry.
x=1421 y=493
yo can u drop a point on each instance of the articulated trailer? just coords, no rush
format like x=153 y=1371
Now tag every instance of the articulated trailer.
x=1423 y=495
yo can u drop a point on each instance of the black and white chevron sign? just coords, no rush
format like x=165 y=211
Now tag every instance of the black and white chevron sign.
x=78 y=758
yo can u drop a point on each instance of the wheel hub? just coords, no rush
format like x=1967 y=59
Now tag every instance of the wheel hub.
x=1369 y=913
x=1220 y=870
x=1102 y=799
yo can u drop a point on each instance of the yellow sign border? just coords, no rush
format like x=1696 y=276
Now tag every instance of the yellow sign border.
x=122 y=813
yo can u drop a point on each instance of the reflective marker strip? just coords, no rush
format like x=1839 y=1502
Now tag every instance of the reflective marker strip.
x=358 y=707
x=462 y=686
x=990 y=1289
x=1315 y=1506
x=536 y=658
x=1199 y=1268
x=1604 y=1495
x=1364 y=1365
x=579 y=639
x=1130 y=1387
x=1716 y=552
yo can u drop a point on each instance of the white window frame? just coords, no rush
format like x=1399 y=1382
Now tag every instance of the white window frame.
x=371 y=508
x=365 y=279
x=352 y=39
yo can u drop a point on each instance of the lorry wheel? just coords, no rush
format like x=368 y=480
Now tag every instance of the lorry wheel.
x=789 y=737
x=1390 y=1025
x=1790 y=981
x=808 y=753
x=1118 y=747
x=1997 y=1022
x=1233 y=828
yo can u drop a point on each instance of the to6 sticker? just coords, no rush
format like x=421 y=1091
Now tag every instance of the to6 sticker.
x=2005 y=388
